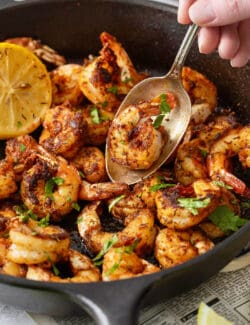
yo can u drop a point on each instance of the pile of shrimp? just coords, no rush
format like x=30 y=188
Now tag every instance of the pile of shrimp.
x=164 y=220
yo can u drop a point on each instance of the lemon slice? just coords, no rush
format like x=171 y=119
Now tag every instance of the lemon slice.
x=25 y=91
x=207 y=316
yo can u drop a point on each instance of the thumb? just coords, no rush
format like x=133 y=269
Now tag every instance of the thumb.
x=219 y=13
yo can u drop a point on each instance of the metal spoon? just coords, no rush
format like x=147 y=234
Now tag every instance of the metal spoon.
x=178 y=119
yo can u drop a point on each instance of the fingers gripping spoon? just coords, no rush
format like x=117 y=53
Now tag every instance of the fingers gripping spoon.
x=178 y=118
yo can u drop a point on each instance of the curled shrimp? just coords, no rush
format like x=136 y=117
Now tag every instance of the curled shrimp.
x=50 y=187
x=101 y=191
x=122 y=263
x=133 y=141
x=232 y=143
x=63 y=130
x=91 y=162
x=173 y=208
x=65 y=84
x=139 y=226
x=7 y=179
x=199 y=88
x=44 y=52
x=190 y=162
x=129 y=77
x=81 y=268
x=99 y=78
x=18 y=151
x=7 y=266
x=174 y=247
x=34 y=244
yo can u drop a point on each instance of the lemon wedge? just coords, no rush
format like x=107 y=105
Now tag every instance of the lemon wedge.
x=207 y=316
x=25 y=91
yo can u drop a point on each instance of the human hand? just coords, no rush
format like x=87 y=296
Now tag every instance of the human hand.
x=225 y=25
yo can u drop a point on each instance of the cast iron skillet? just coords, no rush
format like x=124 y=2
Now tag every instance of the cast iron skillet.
x=151 y=36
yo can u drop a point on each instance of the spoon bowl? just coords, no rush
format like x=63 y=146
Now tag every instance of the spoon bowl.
x=175 y=125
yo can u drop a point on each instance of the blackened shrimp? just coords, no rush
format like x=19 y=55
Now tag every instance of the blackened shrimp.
x=7 y=266
x=63 y=130
x=128 y=77
x=65 y=84
x=183 y=207
x=234 y=142
x=80 y=266
x=34 y=244
x=123 y=263
x=138 y=227
x=90 y=161
x=174 y=247
x=50 y=187
x=133 y=141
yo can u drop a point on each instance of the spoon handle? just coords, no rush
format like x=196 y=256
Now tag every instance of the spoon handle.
x=183 y=51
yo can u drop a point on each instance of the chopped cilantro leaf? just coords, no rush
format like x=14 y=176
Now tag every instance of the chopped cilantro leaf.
x=158 y=120
x=44 y=222
x=51 y=183
x=222 y=184
x=95 y=115
x=164 y=105
x=106 y=246
x=157 y=187
x=225 y=219
x=204 y=153
x=113 y=90
x=193 y=204
x=76 y=206
x=22 y=147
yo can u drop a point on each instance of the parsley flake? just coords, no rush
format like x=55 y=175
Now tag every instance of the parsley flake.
x=113 y=90
x=226 y=220
x=76 y=206
x=193 y=204
x=156 y=187
x=106 y=247
x=222 y=184
x=44 y=222
x=22 y=147
x=95 y=115
x=51 y=183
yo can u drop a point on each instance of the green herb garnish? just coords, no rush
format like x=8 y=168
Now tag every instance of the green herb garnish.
x=164 y=108
x=117 y=199
x=129 y=249
x=106 y=246
x=158 y=120
x=22 y=147
x=81 y=173
x=95 y=115
x=164 y=105
x=222 y=184
x=19 y=124
x=76 y=206
x=157 y=187
x=245 y=204
x=225 y=219
x=113 y=269
x=50 y=185
x=24 y=214
x=113 y=90
x=44 y=222
x=204 y=153
x=193 y=204
x=54 y=268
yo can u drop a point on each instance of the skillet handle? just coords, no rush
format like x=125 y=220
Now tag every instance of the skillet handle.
x=113 y=303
